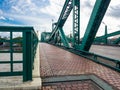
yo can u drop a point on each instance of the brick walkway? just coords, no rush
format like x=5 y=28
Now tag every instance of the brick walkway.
x=58 y=62
x=78 y=85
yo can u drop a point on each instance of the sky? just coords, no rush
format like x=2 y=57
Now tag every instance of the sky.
x=40 y=13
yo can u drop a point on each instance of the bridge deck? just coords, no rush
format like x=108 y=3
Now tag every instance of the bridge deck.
x=58 y=62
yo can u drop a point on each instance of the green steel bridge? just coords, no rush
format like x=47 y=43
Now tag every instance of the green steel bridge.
x=82 y=46
x=74 y=43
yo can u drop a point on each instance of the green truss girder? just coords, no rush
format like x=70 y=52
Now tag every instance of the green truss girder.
x=63 y=17
x=45 y=36
x=76 y=23
x=94 y=23
x=108 y=35
x=68 y=6
x=117 y=41
x=63 y=37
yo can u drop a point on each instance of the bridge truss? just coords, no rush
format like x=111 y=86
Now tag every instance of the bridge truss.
x=104 y=39
x=57 y=35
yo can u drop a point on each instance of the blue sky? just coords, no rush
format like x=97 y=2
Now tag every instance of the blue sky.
x=39 y=14
x=22 y=12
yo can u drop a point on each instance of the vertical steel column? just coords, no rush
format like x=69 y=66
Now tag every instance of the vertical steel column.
x=27 y=56
x=76 y=22
x=11 y=50
x=106 y=34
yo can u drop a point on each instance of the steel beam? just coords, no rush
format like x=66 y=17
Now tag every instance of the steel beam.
x=106 y=41
x=108 y=35
x=63 y=38
x=45 y=36
x=94 y=23
x=117 y=41
x=76 y=23
x=63 y=16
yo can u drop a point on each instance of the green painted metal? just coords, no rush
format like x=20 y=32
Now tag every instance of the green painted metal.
x=29 y=42
x=55 y=35
x=91 y=30
x=63 y=38
x=106 y=41
x=27 y=56
x=111 y=63
x=103 y=39
x=62 y=18
x=117 y=41
x=11 y=50
x=109 y=35
x=45 y=36
x=94 y=23
x=76 y=23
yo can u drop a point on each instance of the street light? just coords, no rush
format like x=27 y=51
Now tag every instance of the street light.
x=105 y=32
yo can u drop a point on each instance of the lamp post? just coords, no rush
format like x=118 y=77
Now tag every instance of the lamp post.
x=106 y=41
x=52 y=24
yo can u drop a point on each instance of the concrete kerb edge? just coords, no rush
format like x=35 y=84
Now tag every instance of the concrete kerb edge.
x=94 y=78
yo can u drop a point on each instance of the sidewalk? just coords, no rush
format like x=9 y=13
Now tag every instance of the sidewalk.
x=56 y=62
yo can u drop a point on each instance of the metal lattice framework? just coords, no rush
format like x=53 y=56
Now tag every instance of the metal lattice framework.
x=76 y=22
x=58 y=37
x=104 y=38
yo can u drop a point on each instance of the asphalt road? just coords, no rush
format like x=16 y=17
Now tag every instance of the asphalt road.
x=108 y=51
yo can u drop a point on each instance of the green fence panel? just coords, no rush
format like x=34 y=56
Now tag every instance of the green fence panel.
x=28 y=45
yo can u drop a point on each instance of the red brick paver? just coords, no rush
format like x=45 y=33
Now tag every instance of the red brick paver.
x=57 y=62
x=78 y=85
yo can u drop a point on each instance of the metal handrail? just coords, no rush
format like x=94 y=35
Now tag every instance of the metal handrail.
x=96 y=58
x=29 y=45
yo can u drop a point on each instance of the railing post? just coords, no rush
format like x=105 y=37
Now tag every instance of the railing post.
x=95 y=58
x=27 y=56
x=118 y=65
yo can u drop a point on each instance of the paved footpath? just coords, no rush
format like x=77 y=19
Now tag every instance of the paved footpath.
x=76 y=85
x=57 y=62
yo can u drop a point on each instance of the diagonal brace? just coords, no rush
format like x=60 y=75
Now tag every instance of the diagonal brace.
x=63 y=37
x=94 y=23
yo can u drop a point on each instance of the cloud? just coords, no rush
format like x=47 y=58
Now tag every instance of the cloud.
x=25 y=12
x=87 y=4
x=39 y=13
x=2 y=18
x=32 y=12
x=54 y=8
x=112 y=14
x=1 y=12
x=115 y=11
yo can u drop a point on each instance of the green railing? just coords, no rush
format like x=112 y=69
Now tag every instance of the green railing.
x=106 y=61
x=17 y=51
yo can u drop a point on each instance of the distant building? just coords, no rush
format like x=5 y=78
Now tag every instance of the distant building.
x=6 y=44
